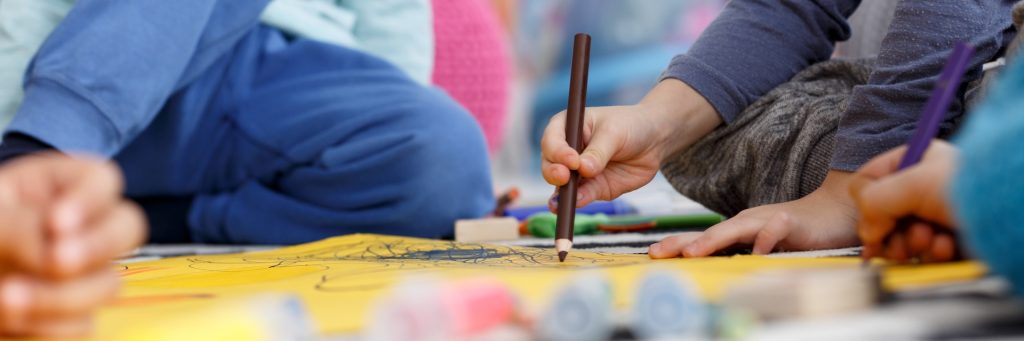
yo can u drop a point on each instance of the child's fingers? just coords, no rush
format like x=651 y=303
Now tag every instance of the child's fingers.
x=600 y=149
x=672 y=246
x=885 y=201
x=39 y=299
x=943 y=248
x=120 y=231
x=94 y=189
x=554 y=174
x=75 y=297
x=725 y=234
x=776 y=230
x=61 y=327
x=919 y=238
x=896 y=248
x=871 y=251
x=21 y=238
x=594 y=189
x=553 y=146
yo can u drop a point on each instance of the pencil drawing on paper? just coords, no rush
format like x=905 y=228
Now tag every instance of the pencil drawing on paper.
x=364 y=262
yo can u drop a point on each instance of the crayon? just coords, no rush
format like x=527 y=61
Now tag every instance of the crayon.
x=504 y=201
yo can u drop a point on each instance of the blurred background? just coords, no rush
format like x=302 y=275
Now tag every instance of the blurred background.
x=518 y=83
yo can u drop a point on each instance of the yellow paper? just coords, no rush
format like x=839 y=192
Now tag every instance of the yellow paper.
x=340 y=278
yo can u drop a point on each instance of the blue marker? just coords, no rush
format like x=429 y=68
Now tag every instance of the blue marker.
x=667 y=307
x=582 y=310
x=614 y=207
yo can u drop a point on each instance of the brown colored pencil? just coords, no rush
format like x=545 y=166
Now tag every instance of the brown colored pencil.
x=573 y=136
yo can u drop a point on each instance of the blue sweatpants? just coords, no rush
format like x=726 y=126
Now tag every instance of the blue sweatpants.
x=291 y=141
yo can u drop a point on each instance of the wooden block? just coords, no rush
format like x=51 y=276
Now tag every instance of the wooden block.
x=486 y=229
x=784 y=294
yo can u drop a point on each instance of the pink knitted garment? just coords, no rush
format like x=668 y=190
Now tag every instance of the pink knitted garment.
x=471 y=62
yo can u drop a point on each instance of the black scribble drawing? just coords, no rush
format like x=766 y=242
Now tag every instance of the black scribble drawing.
x=374 y=262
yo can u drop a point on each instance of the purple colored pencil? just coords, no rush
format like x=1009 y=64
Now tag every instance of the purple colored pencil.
x=938 y=104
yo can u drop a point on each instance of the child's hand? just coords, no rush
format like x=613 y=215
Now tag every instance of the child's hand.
x=625 y=144
x=62 y=220
x=885 y=196
x=822 y=219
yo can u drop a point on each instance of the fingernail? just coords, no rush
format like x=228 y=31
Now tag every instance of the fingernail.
x=15 y=295
x=67 y=218
x=553 y=203
x=581 y=198
x=655 y=248
x=586 y=163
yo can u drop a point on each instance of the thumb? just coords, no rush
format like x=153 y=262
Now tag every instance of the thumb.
x=598 y=153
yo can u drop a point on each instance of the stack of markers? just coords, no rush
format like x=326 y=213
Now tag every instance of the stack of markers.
x=666 y=306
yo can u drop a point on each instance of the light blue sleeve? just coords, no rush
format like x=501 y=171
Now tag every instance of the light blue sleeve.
x=987 y=191
x=24 y=25
x=105 y=71
x=399 y=31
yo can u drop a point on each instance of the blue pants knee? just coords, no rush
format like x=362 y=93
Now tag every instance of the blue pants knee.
x=287 y=142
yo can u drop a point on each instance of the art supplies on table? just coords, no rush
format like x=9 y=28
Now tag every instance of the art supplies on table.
x=667 y=306
x=426 y=308
x=805 y=293
x=504 y=201
x=341 y=279
x=543 y=224
x=581 y=310
x=614 y=207
x=486 y=229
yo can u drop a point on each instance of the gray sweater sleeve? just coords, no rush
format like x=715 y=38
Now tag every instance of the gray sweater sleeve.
x=755 y=45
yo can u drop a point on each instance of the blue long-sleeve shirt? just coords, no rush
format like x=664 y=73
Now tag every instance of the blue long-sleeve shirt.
x=755 y=45
x=126 y=58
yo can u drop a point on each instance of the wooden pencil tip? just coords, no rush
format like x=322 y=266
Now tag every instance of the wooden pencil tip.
x=561 y=255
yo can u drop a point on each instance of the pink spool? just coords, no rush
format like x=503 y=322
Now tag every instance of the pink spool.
x=472 y=63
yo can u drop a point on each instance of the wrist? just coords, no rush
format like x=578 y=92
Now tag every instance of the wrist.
x=836 y=185
x=681 y=116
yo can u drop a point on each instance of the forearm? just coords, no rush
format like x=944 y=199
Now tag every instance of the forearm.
x=682 y=116
x=755 y=45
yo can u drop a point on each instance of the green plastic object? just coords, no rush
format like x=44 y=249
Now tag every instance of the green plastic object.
x=542 y=224
x=671 y=221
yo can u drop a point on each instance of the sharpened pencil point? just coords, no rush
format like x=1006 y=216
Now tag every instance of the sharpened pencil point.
x=561 y=255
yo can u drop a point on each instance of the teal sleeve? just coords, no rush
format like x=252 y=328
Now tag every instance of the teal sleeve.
x=987 y=192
